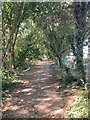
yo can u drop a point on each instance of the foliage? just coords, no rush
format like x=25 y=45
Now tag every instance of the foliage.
x=70 y=79
x=53 y=24
x=13 y=14
x=29 y=47
x=80 y=109
x=31 y=31
x=7 y=79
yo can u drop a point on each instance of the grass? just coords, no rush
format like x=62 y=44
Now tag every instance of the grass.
x=80 y=109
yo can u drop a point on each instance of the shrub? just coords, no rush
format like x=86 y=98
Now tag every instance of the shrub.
x=7 y=79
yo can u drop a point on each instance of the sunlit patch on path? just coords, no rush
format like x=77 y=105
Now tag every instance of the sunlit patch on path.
x=36 y=96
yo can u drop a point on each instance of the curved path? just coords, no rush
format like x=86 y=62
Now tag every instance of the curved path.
x=36 y=95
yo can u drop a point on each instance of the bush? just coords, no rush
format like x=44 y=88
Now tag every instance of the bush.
x=7 y=79
x=70 y=79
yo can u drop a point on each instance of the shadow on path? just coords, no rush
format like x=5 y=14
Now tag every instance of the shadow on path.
x=36 y=96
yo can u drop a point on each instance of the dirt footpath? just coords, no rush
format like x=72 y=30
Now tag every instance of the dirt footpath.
x=37 y=95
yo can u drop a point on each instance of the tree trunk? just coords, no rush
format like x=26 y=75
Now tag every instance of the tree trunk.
x=3 y=35
x=80 y=21
x=79 y=58
x=88 y=68
x=60 y=62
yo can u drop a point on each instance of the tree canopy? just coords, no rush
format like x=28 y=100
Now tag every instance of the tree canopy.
x=31 y=31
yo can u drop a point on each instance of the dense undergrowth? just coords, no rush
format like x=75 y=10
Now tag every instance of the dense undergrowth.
x=8 y=81
x=81 y=108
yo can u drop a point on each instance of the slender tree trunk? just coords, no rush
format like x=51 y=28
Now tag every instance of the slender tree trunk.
x=60 y=62
x=3 y=35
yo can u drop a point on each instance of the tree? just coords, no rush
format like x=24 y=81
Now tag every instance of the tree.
x=13 y=14
x=88 y=37
x=29 y=45
x=80 y=9
x=54 y=18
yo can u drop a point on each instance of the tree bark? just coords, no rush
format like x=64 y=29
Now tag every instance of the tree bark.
x=3 y=35
x=80 y=21
x=88 y=68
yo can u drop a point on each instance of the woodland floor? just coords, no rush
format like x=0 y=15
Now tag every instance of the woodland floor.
x=36 y=95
